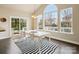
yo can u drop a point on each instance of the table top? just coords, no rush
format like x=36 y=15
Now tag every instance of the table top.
x=37 y=32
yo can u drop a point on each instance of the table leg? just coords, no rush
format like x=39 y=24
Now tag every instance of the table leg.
x=49 y=39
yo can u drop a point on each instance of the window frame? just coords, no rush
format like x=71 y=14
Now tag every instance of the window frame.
x=20 y=17
x=38 y=19
x=56 y=16
x=71 y=21
x=58 y=20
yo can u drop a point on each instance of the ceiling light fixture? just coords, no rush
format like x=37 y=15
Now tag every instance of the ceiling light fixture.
x=33 y=16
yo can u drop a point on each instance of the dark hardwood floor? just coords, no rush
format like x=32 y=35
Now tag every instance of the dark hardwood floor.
x=65 y=47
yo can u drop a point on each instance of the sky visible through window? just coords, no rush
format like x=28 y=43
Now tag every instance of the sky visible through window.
x=51 y=8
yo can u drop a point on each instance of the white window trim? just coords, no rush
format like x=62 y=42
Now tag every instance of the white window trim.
x=70 y=21
x=19 y=18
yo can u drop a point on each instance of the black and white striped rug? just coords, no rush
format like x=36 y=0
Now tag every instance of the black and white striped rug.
x=29 y=46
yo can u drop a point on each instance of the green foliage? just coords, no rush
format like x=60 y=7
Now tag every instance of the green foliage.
x=18 y=24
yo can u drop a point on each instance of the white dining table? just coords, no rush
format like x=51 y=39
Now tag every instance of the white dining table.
x=37 y=33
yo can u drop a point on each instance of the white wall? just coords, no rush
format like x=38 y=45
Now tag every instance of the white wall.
x=4 y=12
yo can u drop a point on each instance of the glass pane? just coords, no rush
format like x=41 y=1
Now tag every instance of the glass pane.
x=50 y=17
x=51 y=21
x=22 y=24
x=65 y=24
x=15 y=23
x=18 y=24
x=39 y=22
x=66 y=20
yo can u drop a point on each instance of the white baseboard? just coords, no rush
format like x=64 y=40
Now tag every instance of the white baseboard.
x=70 y=41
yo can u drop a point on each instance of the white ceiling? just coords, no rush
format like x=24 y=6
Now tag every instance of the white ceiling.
x=29 y=8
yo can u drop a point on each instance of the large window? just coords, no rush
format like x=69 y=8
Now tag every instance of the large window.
x=50 y=20
x=18 y=24
x=39 y=22
x=50 y=16
x=66 y=20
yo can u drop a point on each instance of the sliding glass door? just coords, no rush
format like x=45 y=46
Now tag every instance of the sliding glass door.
x=18 y=24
